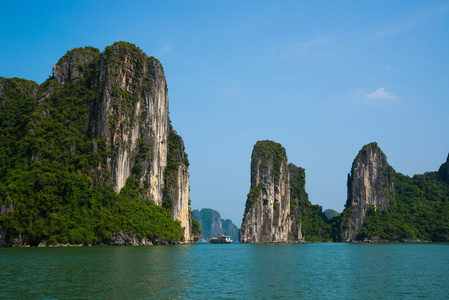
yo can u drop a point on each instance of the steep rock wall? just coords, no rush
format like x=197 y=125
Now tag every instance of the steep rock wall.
x=130 y=118
x=176 y=183
x=370 y=183
x=268 y=205
x=134 y=120
x=133 y=114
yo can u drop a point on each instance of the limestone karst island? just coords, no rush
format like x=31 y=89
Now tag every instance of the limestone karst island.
x=382 y=204
x=89 y=157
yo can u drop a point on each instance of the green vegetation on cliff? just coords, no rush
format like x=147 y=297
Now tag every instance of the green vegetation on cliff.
x=174 y=159
x=403 y=208
x=252 y=197
x=363 y=153
x=53 y=168
x=382 y=204
x=315 y=226
x=267 y=151
x=420 y=209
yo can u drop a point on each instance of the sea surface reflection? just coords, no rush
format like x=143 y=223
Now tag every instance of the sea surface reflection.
x=234 y=271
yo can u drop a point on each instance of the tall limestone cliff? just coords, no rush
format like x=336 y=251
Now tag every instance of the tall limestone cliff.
x=176 y=186
x=268 y=205
x=131 y=116
x=133 y=147
x=370 y=185
x=385 y=205
x=278 y=209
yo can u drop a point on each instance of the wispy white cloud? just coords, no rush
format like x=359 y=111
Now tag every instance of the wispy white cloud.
x=381 y=94
x=379 y=97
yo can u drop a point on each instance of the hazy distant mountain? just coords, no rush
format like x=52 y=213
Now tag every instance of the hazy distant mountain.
x=213 y=226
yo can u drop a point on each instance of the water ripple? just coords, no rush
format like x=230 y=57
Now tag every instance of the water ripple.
x=235 y=271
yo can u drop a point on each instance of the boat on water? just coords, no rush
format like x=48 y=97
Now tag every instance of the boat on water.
x=223 y=239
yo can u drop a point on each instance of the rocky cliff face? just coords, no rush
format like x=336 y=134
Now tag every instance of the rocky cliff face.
x=128 y=119
x=176 y=187
x=131 y=112
x=131 y=116
x=370 y=184
x=266 y=213
x=278 y=209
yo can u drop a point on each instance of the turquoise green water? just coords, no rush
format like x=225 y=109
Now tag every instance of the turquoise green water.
x=205 y=271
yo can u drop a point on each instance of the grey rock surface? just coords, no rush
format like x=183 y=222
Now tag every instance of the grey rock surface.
x=268 y=204
x=370 y=184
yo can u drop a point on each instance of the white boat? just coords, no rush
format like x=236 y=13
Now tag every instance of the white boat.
x=223 y=239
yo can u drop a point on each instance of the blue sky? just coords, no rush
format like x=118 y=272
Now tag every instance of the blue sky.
x=323 y=78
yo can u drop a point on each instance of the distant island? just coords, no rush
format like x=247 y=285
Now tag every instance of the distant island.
x=90 y=156
x=212 y=225
x=382 y=206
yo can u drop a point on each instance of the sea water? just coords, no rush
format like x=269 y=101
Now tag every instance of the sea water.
x=228 y=271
